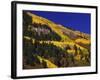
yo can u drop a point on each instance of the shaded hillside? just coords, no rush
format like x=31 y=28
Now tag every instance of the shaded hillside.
x=49 y=45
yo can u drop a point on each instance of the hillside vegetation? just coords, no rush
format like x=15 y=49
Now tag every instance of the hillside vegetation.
x=50 y=45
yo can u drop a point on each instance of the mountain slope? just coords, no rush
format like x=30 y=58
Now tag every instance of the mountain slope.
x=52 y=42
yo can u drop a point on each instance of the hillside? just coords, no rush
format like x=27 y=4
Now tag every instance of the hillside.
x=50 y=45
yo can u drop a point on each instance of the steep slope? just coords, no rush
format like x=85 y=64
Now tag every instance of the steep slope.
x=51 y=42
